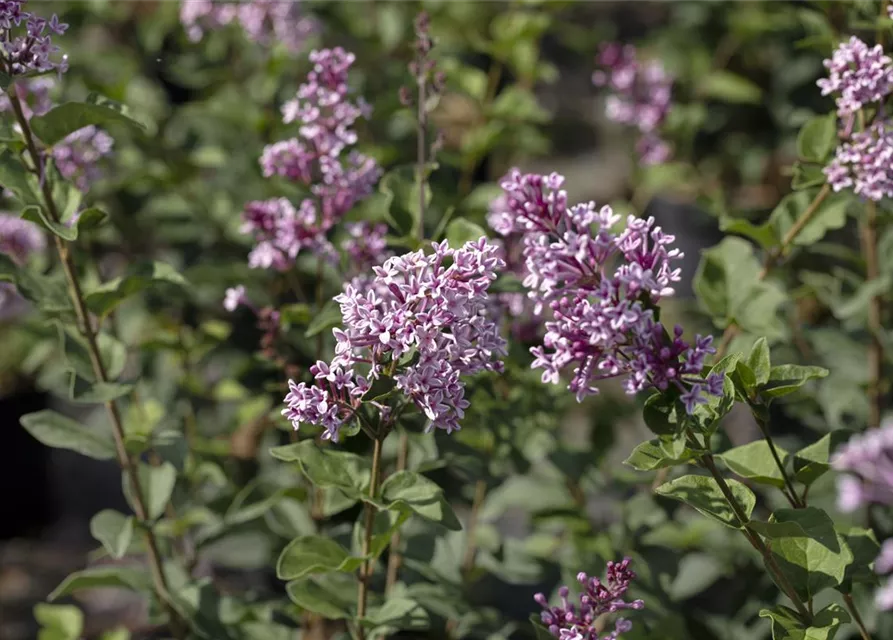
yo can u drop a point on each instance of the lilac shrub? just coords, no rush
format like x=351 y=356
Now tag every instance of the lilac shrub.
x=266 y=22
x=601 y=289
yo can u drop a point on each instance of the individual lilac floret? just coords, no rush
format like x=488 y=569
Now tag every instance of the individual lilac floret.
x=234 y=298
x=602 y=287
x=578 y=622
x=430 y=306
x=858 y=75
x=264 y=21
x=641 y=94
x=18 y=240
x=77 y=156
x=26 y=41
x=318 y=159
x=33 y=94
x=866 y=466
x=865 y=163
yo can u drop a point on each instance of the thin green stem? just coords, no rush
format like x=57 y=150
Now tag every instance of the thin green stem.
x=394 y=559
x=366 y=569
x=754 y=538
x=857 y=619
x=480 y=492
x=126 y=463
x=793 y=498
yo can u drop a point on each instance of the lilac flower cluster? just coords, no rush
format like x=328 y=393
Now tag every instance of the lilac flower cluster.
x=314 y=159
x=423 y=322
x=514 y=305
x=865 y=464
x=858 y=75
x=601 y=288
x=641 y=93
x=29 y=50
x=264 y=21
x=572 y=622
x=864 y=163
x=18 y=240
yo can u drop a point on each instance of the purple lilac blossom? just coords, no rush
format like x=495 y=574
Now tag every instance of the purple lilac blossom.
x=578 y=622
x=234 y=298
x=77 y=156
x=865 y=163
x=601 y=288
x=18 y=240
x=26 y=42
x=430 y=305
x=866 y=466
x=33 y=94
x=858 y=75
x=317 y=159
x=641 y=94
x=365 y=247
x=513 y=305
x=264 y=21
x=883 y=566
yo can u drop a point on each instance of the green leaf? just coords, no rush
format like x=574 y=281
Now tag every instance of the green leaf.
x=754 y=461
x=461 y=231
x=307 y=555
x=807 y=176
x=88 y=219
x=111 y=350
x=659 y=414
x=788 y=378
x=730 y=87
x=704 y=494
x=59 y=122
x=157 y=484
x=859 y=301
x=758 y=361
x=831 y=214
x=813 y=559
x=380 y=389
x=813 y=461
x=404 y=199
x=763 y=235
x=787 y=624
x=327 y=467
x=539 y=630
x=320 y=596
x=114 y=530
x=85 y=392
x=59 y=621
x=139 y=277
x=97 y=577
x=817 y=138
x=651 y=455
x=55 y=430
x=14 y=177
x=329 y=316
x=413 y=491
x=48 y=293
x=865 y=547
x=395 y=615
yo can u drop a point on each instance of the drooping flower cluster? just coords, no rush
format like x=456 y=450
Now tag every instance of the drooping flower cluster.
x=865 y=163
x=18 y=240
x=858 y=76
x=599 y=597
x=26 y=41
x=423 y=321
x=264 y=21
x=865 y=464
x=78 y=156
x=601 y=287
x=313 y=159
x=641 y=93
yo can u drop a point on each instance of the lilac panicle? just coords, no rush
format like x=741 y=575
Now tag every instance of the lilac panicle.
x=433 y=305
x=18 y=240
x=317 y=158
x=640 y=97
x=865 y=163
x=264 y=21
x=26 y=41
x=601 y=288
x=865 y=464
x=578 y=621
x=858 y=75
